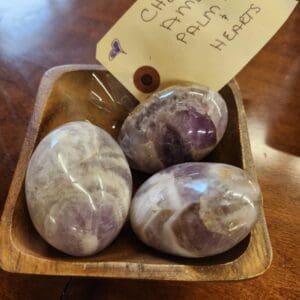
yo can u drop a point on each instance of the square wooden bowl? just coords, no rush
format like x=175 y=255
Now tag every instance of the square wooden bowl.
x=64 y=95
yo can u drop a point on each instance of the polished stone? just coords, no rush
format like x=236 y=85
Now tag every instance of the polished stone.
x=78 y=188
x=195 y=209
x=176 y=125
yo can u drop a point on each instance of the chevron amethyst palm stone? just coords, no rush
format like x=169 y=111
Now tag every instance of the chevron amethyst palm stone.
x=179 y=124
x=78 y=188
x=195 y=209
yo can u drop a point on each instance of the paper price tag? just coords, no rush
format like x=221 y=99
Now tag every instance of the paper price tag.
x=161 y=42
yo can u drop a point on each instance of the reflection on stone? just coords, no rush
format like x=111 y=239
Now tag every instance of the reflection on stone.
x=195 y=209
x=78 y=188
x=176 y=125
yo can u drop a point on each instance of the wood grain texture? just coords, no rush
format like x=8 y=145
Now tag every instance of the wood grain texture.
x=36 y=35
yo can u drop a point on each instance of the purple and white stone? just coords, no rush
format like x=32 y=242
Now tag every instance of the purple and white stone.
x=179 y=124
x=195 y=209
x=78 y=188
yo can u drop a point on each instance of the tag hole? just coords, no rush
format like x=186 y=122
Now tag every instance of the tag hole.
x=146 y=79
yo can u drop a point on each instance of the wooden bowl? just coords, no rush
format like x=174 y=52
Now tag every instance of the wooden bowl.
x=64 y=95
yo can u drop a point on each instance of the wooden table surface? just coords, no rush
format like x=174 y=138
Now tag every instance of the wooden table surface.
x=36 y=35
